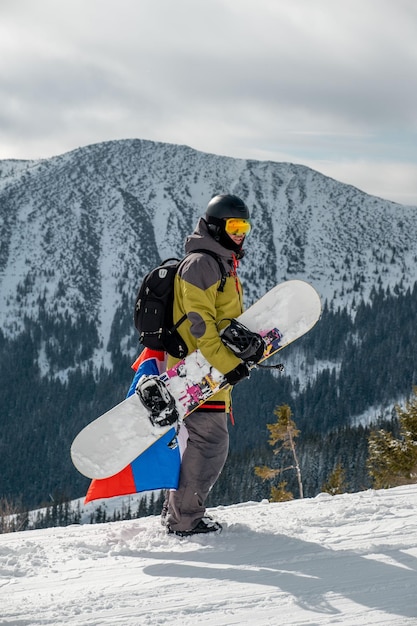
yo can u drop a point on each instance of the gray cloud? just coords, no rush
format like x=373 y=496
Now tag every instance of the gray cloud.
x=324 y=82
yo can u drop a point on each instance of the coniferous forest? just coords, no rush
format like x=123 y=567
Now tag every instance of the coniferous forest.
x=366 y=358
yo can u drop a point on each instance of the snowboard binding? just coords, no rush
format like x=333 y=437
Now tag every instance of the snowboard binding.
x=156 y=398
x=247 y=345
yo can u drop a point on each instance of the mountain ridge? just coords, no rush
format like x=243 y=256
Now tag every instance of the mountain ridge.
x=82 y=228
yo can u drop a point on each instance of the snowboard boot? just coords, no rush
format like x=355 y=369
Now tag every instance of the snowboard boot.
x=205 y=525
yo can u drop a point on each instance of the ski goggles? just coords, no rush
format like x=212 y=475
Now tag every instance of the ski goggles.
x=237 y=226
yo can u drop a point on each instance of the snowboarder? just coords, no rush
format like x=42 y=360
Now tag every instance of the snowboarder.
x=222 y=230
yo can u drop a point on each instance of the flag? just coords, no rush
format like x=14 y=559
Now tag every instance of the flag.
x=156 y=468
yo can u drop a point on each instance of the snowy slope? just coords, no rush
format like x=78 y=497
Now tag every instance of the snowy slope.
x=349 y=560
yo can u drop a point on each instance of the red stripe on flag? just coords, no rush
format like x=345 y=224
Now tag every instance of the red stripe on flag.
x=147 y=353
x=120 y=484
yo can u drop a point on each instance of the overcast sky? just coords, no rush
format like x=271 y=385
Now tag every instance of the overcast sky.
x=331 y=84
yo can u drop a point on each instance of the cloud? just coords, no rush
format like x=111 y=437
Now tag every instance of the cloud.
x=394 y=180
x=321 y=81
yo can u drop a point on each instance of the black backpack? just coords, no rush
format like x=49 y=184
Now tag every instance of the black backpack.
x=154 y=308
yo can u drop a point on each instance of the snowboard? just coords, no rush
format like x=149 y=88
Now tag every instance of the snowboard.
x=112 y=441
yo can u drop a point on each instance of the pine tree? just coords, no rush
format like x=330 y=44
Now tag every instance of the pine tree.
x=142 y=510
x=392 y=461
x=336 y=482
x=280 y=493
x=283 y=431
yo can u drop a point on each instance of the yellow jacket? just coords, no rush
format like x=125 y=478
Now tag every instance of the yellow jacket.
x=208 y=310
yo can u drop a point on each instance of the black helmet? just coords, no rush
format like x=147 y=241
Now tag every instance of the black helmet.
x=218 y=210
x=227 y=205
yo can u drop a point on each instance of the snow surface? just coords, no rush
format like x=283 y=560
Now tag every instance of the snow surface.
x=349 y=559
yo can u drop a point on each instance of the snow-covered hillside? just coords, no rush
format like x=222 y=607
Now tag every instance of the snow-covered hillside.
x=78 y=231
x=348 y=560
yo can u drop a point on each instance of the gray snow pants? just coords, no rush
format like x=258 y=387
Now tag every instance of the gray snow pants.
x=201 y=465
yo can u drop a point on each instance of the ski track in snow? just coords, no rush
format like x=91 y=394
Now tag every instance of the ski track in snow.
x=349 y=560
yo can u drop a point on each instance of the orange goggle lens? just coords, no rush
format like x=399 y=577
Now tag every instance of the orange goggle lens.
x=237 y=226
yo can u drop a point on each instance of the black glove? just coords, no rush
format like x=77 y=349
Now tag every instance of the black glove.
x=239 y=373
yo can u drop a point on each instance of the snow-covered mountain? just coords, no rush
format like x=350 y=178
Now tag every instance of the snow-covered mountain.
x=78 y=231
x=348 y=560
